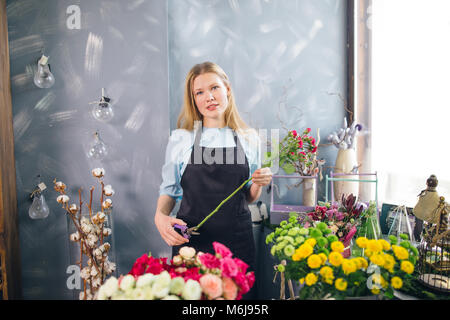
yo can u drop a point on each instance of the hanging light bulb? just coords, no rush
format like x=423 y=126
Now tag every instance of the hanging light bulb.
x=103 y=111
x=43 y=78
x=98 y=149
x=39 y=208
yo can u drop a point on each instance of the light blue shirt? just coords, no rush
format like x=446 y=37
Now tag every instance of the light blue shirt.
x=180 y=146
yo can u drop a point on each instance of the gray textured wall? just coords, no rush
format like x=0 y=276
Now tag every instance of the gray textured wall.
x=286 y=60
x=282 y=56
x=121 y=46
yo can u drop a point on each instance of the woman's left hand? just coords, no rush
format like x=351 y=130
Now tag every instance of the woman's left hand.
x=262 y=177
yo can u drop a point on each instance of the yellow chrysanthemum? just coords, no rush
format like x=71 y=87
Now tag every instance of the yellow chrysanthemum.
x=375 y=291
x=328 y=280
x=314 y=261
x=310 y=279
x=302 y=280
x=357 y=263
x=305 y=250
x=335 y=259
x=368 y=253
x=341 y=284
x=311 y=241
x=378 y=280
x=385 y=244
x=362 y=242
x=364 y=263
x=326 y=271
x=389 y=262
x=323 y=256
x=407 y=267
x=377 y=259
x=400 y=252
x=396 y=282
x=374 y=246
x=348 y=266
x=296 y=256
x=337 y=246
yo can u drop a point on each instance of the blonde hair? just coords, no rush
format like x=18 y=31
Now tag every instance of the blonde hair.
x=189 y=112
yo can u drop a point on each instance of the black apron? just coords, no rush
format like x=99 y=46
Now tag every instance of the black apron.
x=205 y=185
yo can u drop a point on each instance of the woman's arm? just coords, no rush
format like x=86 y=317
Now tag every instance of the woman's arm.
x=165 y=223
x=254 y=193
x=261 y=177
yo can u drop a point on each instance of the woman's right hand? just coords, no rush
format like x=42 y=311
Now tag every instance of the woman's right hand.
x=165 y=223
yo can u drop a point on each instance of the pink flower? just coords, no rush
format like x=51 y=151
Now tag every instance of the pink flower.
x=230 y=289
x=228 y=267
x=211 y=285
x=292 y=153
x=303 y=153
x=350 y=234
x=314 y=150
x=250 y=278
x=222 y=250
x=308 y=130
x=294 y=133
x=300 y=142
x=210 y=261
x=242 y=266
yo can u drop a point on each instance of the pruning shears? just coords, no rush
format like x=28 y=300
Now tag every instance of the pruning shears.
x=188 y=232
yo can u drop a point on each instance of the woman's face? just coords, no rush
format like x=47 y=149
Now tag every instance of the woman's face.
x=211 y=96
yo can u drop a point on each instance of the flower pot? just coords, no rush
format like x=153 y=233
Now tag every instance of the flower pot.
x=345 y=162
x=309 y=192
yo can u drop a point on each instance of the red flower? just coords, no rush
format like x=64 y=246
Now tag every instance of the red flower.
x=210 y=261
x=154 y=266
x=314 y=150
x=308 y=130
x=140 y=265
x=313 y=141
x=294 y=133
x=300 y=143
x=192 y=273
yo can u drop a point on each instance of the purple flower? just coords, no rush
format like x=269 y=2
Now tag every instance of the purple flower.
x=329 y=214
x=339 y=216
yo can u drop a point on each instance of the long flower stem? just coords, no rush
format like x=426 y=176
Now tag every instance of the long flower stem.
x=218 y=207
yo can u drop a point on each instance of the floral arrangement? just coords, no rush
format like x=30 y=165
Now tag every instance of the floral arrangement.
x=342 y=218
x=344 y=138
x=191 y=275
x=298 y=153
x=314 y=258
x=91 y=233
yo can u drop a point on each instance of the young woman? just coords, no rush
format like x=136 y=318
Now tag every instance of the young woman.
x=209 y=156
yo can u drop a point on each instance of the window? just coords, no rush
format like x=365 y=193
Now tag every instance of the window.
x=410 y=105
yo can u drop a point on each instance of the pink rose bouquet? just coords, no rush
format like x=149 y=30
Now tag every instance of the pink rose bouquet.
x=220 y=276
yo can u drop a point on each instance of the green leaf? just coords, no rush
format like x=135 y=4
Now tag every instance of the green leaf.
x=288 y=168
